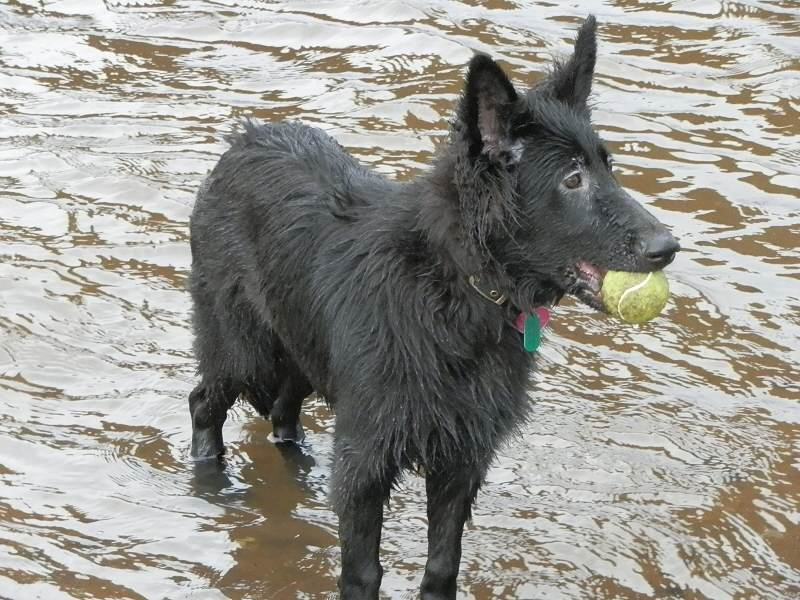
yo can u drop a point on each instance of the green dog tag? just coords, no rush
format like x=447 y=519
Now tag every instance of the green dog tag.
x=532 y=333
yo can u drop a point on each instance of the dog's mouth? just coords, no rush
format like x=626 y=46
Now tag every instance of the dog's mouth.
x=584 y=281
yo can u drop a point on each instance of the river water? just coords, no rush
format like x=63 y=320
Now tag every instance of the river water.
x=661 y=461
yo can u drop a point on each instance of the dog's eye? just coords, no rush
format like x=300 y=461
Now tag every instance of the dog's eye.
x=573 y=180
x=610 y=163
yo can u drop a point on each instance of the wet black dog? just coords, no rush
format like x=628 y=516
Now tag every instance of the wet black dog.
x=397 y=301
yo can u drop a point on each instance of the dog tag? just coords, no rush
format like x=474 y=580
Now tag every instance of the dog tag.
x=532 y=333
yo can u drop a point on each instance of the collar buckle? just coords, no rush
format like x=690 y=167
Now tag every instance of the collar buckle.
x=493 y=296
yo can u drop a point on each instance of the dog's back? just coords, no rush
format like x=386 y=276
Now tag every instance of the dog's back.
x=284 y=177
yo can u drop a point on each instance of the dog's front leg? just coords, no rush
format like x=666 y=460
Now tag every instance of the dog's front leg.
x=358 y=495
x=451 y=493
x=360 y=537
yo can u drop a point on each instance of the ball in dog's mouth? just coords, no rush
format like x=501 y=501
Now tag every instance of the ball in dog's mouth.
x=587 y=281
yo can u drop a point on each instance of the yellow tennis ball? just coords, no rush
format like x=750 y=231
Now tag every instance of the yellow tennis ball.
x=635 y=297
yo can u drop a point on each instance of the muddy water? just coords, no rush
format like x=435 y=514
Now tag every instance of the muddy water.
x=661 y=462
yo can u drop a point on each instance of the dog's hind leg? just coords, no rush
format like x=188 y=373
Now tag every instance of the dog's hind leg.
x=285 y=413
x=451 y=493
x=278 y=391
x=227 y=336
x=208 y=405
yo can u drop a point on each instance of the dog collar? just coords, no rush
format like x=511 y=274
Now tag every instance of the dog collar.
x=530 y=325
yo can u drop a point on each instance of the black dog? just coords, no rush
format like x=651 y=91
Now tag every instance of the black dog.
x=397 y=302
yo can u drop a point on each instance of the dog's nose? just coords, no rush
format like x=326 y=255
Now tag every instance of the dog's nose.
x=660 y=249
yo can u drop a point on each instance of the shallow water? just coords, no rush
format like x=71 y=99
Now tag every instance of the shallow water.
x=661 y=462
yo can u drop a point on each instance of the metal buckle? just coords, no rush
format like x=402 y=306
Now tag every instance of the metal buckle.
x=493 y=296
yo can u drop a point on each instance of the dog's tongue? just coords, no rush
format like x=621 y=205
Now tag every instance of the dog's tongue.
x=541 y=311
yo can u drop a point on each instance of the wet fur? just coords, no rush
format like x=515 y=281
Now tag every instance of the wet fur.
x=311 y=272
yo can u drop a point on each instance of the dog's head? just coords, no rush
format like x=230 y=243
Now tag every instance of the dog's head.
x=537 y=193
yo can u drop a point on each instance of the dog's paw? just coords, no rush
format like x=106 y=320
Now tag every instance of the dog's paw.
x=287 y=434
x=207 y=445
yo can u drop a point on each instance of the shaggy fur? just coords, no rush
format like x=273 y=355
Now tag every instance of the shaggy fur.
x=310 y=272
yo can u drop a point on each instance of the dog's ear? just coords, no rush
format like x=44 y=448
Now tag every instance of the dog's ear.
x=572 y=81
x=486 y=107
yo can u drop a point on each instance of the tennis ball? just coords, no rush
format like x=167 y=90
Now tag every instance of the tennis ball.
x=635 y=297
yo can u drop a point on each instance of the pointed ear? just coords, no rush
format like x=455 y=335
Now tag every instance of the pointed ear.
x=572 y=81
x=486 y=107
